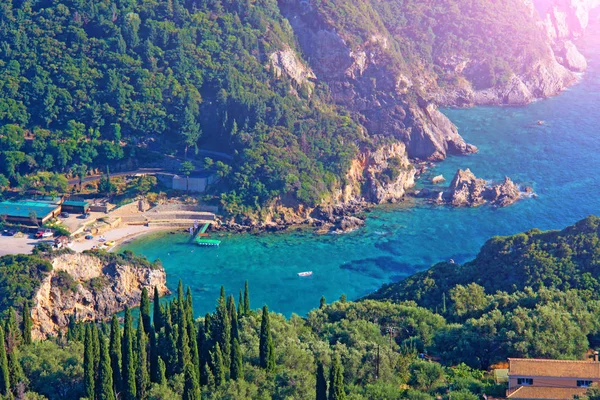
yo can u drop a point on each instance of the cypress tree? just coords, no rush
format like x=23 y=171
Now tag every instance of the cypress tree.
x=88 y=363
x=246 y=299
x=162 y=372
x=336 y=381
x=266 y=347
x=322 y=303
x=157 y=311
x=343 y=298
x=206 y=376
x=202 y=344
x=145 y=310
x=183 y=348
x=321 y=382
x=4 y=376
x=233 y=318
x=236 y=370
x=96 y=346
x=222 y=328
x=115 y=354
x=15 y=371
x=218 y=367
x=142 y=377
x=154 y=377
x=128 y=363
x=240 y=309
x=27 y=324
x=104 y=385
x=12 y=333
x=194 y=351
x=191 y=388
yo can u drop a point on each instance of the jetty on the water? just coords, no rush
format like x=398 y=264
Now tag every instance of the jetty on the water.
x=202 y=238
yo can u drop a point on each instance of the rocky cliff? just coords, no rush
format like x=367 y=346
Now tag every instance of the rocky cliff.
x=565 y=22
x=91 y=288
x=363 y=79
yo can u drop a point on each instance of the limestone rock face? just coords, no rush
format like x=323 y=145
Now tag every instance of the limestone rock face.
x=286 y=61
x=572 y=58
x=99 y=290
x=566 y=20
x=466 y=190
x=388 y=174
x=360 y=79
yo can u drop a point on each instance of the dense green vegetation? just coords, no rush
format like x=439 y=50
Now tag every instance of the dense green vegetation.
x=519 y=298
x=533 y=294
x=85 y=84
x=238 y=353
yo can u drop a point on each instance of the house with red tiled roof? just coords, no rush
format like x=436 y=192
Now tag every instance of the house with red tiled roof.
x=531 y=378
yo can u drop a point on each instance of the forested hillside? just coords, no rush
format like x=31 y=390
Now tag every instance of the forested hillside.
x=85 y=84
x=89 y=84
x=521 y=297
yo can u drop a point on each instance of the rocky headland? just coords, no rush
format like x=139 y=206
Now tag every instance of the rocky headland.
x=91 y=288
x=466 y=190
x=395 y=96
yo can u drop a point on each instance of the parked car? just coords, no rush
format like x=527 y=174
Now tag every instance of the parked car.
x=8 y=232
x=84 y=216
x=45 y=233
x=64 y=214
x=89 y=237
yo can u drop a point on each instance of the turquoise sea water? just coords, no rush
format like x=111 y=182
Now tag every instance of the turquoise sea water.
x=559 y=159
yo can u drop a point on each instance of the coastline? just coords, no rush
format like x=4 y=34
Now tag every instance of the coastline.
x=120 y=236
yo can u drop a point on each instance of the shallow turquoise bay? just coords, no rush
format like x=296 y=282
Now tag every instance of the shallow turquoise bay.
x=559 y=159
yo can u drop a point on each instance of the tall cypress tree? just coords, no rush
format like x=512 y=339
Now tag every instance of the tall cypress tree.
x=115 y=354
x=12 y=332
x=142 y=377
x=233 y=318
x=236 y=370
x=240 y=306
x=4 y=377
x=162 y=372
x=145 y=310
x=336 y=381
x=266 y=347
x=128 y=369
x=206 y=376
x=27 y=324
x=191 y=388
x=104 y=384
x=154 y=354
x=183 y=347
x=321 y=382
x=157 y=311
x=96 y=346
x=218 y=367
x=246 y=299
x=221 y=328
x=89 y=371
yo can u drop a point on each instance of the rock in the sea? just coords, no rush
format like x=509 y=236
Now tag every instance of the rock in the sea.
x=466 y=190
x=349 y=223
x=503 y=195
x=438 y=179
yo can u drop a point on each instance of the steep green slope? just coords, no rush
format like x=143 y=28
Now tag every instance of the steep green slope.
x=80 y=79
x=564 y=260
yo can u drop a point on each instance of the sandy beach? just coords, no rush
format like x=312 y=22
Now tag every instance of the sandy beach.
x=118 y=235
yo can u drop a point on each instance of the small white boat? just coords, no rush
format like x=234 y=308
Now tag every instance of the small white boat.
x=307 y=273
